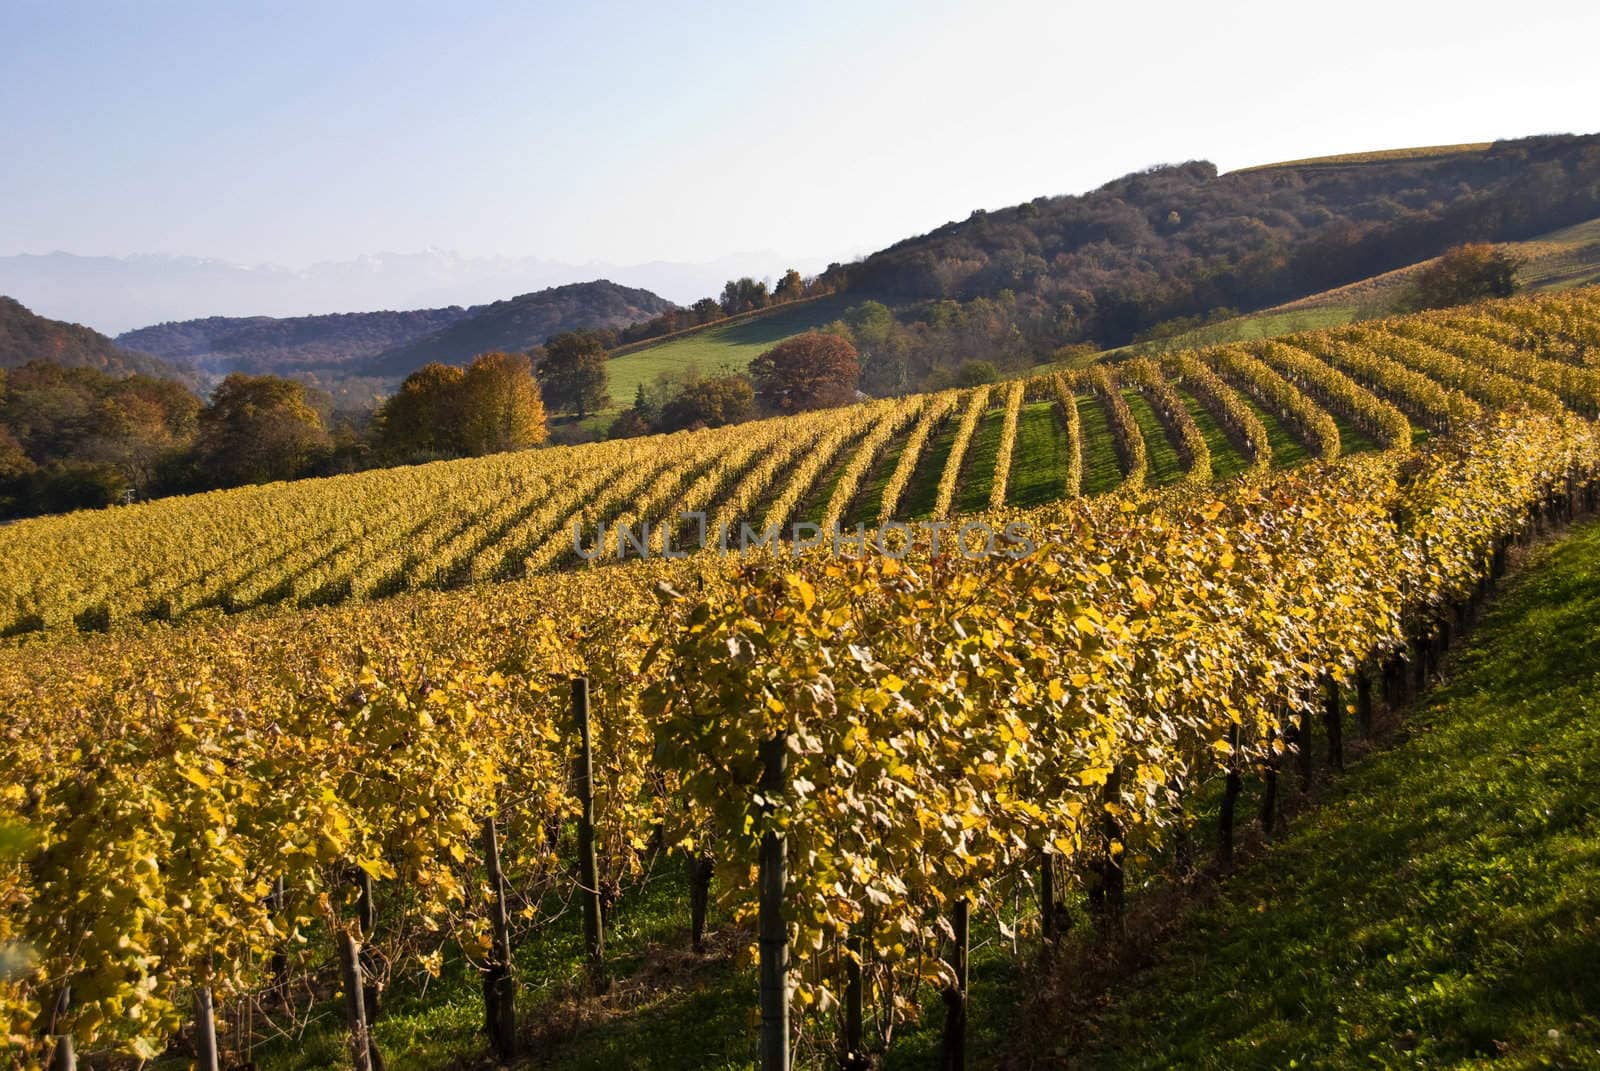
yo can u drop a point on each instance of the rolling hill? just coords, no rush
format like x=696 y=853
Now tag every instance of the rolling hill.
x=25 y=336
x=269 y=345
x=718 y=346
x=519 y=323
x=1182 y=240
x=1278 y=240
x=1562 y=259
x=387 y=346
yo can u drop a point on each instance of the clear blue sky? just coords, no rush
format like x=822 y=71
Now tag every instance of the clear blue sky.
x=298 y=132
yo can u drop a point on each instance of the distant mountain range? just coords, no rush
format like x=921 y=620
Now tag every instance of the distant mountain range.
x=115 y=294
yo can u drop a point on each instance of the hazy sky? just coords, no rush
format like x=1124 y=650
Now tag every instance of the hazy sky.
x=295 y=132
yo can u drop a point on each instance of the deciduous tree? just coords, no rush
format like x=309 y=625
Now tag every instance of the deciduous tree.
x=500 y=405
x=257 y=429
x=573 y=373
x=1465 y=274
x=424 y=416
x=709 y=403
x=809 y=371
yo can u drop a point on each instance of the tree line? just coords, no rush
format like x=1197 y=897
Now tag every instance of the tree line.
x=738 y=296
x=78 y=438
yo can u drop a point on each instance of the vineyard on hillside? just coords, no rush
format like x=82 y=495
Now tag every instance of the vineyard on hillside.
x=233 y=821
x=1187 y=419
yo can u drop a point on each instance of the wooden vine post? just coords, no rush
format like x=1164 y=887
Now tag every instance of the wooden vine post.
x=280 y=958
x=1230 y=799
x=1364 y=703
x=63 y=1057
x=1333 y=721
x=355 y=1004
x=1269 y=787
x=1116 y=874
x=774 y=933
x=588 y=867
x=499 y=986
x=1047 y=899
x=205 y=1028
x=855 y=1056
x=700 y=869
x=953 y=1051
x=1302 y=743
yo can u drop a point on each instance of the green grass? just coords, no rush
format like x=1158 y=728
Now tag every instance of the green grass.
x=668 y=1008
x=1102 y=471
x=731 y=346
x=1352 y=440
x=1226 y=460
x=870 y=499
x=1440 y=908
x=922 y=490
x=1162 y=456
x=977 y=468
x=1287 y=451
x=1039 y=458
x=1269 y=324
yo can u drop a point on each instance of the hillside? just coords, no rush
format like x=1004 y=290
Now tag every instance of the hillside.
x=1282 y=241
x=1436 y=910
x=268 y=345
x=1193 y=418
x=1376 y=156
x=26 y=337
x=718 y=346
x=1559 y=260
x=1182 y=240
x=519 y=323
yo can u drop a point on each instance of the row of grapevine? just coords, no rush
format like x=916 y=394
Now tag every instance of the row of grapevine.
x=937 y=412
x=846 y=429
x=1336 y=391
x=1488 y=387
x=1236 y=419
x=1001 y=479
x=951 y=725
x=1194 y=453
x=710 y=487
x=1125 y=431
x=977 y=405
x=1578 y=388
x=867 y=456
x=1427 y=402
x=1306 y=420
x=1067 y=402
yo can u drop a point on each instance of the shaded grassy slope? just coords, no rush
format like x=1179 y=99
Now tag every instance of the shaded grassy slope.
x=1442 y=909
x=730 y=346
x=1101 y=469
x=1039 y=459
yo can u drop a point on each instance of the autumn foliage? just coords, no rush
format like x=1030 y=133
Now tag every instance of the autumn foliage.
x=809 y=371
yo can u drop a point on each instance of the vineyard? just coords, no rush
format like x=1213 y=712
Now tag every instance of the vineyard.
x=456 y=523
x=236 y=820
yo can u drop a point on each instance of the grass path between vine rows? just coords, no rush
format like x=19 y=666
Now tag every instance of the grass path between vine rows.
x=1439 y=906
